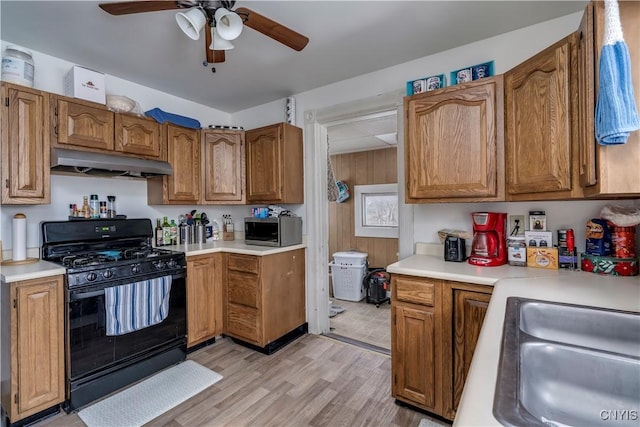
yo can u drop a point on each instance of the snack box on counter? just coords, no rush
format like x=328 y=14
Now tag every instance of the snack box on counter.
x=542 y=257
x=610 y=266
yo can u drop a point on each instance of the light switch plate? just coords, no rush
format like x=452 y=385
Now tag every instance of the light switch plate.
x=516 y=221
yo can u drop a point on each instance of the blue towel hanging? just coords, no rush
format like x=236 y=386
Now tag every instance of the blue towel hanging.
x=136 y=305
x=616 y=111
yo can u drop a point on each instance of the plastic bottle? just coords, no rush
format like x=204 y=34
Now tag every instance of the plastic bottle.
x=159 y=235
x=17 y=66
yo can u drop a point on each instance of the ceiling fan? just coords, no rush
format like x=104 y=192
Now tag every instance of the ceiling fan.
x=220 y=23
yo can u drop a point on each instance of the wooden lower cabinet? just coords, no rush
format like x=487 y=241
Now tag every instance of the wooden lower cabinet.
x=435 y=328
x=204 y=297
x=265 y=296
x=32 y=346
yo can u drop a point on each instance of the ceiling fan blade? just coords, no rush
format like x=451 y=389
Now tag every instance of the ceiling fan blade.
x=272 y=29
x=213 y=56
x=127 y=7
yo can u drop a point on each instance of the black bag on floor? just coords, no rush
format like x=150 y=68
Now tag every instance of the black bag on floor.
x=376 y=283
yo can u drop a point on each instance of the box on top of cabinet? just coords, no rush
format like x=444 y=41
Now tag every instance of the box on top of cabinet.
x=83 y=83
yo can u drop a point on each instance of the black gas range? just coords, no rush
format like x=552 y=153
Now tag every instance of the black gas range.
x=104 y=258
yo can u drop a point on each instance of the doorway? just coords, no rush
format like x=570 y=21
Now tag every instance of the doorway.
x=316 y=124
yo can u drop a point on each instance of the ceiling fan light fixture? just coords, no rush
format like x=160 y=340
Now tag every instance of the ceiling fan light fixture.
x=191 y=22
x=218 y=43
x=229 y=24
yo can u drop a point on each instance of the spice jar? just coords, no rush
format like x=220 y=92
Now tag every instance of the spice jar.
x=94 y=207
x=111 y=206
x=517 y=251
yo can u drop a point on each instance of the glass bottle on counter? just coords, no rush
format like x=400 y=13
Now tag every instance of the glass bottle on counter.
x=173 y=227
x=103 y=210
x=85 y=207
x=166 y=232
x=159 y=236
x=94 y=206
x=111 y=206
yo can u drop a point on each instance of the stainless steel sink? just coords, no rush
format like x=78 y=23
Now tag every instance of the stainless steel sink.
x=564 y=364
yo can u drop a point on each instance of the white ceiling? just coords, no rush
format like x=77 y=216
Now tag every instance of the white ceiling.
x=368 y=132
x=347 y=38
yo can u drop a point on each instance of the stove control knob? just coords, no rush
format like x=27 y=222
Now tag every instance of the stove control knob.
x=92 y=276
x=159 y=265
x=107 y=274
x=135 y=268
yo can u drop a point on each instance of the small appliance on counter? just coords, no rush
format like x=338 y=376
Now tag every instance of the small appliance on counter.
x=489 y=246
x=272 y=231
x=455 y=249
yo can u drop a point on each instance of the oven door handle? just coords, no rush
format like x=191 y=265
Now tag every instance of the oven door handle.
x=85 y=295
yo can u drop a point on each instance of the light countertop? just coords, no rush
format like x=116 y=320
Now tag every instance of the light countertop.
x=575 y=287
x=231 y=246
x=41 y=268
x=34 y=270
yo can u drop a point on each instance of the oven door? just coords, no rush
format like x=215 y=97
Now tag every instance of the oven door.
x=91 y=352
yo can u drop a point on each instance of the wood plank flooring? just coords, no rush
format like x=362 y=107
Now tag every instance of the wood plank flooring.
x=314 y=381
x=363 y=322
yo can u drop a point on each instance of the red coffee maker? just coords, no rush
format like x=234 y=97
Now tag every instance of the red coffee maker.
x=489 y=247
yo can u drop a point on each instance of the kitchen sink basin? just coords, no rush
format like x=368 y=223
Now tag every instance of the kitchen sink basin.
x=568 y=365
x=607 y=330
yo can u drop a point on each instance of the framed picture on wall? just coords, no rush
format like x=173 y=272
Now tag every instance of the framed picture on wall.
x=376 y=210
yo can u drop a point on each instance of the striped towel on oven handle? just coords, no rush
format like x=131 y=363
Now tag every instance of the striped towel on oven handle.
x=136 y=305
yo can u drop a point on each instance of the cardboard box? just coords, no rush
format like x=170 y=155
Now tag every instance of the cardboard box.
x=83 y=83
x=542 y=258
x=538 y=239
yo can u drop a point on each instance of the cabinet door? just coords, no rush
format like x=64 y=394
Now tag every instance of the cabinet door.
x=608 y=170
x=415 y=364
x=38 y=360
x=264 y=167
x=183 y=153
x=455 y=143
x=204 y=298
x=25 y=146
x=469 y=309
x=223 y=167
x=137 y=135
x=82 y=125
x=540 y=119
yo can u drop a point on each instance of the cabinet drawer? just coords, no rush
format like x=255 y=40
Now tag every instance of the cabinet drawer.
x=242 y=289
x=242 y=322
x=414 y=290
x=244 y=263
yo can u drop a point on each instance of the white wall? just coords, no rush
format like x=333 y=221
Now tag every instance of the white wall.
x=506 y=50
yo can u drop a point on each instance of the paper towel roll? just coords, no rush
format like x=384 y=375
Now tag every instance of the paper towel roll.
x=19 y=237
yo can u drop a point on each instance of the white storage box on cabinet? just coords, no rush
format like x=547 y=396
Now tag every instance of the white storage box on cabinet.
x=347 y=271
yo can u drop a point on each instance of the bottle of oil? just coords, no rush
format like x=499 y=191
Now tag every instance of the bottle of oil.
x=159 y=235
x=85 y=207
x=166 y=232
x=174 y=232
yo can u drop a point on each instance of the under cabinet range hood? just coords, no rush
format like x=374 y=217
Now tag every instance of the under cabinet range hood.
x=101 y=164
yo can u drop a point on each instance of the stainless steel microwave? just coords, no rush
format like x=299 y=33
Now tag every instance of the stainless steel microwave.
x=282 y=231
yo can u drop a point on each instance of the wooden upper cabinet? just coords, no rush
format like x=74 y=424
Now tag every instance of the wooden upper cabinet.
x=183 y=153
x=455 y=147
x=83 y=124
x=541 y=125
x=24 y=125
x=138 y=135
x=223 y=167
x=607 y=170
x=275 y=164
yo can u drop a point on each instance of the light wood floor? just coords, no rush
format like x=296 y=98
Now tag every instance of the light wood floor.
x=314 y=381
x=363 y=322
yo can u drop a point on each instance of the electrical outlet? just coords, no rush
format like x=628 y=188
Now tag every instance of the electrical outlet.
x=516 y=221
